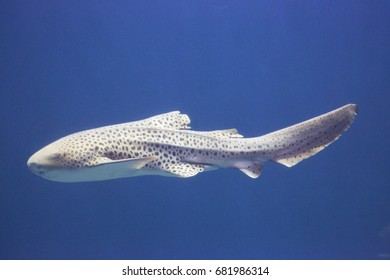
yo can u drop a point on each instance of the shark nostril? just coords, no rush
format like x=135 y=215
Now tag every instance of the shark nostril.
x=35 y=168
x=32 y=166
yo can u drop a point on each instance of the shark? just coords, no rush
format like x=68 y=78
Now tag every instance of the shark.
x=165 y=145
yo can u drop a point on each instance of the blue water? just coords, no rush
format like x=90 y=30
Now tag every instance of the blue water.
x=258 y=66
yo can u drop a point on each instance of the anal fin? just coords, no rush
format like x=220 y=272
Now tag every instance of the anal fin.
x=252 y=169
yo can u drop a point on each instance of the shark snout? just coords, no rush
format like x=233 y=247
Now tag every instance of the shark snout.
x=34 y=167
x=43 y=160
x=34 y=164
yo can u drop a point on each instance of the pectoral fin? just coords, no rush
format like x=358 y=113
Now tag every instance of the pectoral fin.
x=128 y=163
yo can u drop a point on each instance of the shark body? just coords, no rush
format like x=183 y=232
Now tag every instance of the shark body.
x=164 y=145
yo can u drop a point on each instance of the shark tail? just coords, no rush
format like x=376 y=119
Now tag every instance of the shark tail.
x=293 y=144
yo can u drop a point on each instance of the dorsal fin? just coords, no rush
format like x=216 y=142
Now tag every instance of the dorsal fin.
x=171 y=120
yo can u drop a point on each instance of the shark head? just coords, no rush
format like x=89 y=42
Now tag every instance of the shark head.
x=74 y=159
x=64 y=160
x=47 y=162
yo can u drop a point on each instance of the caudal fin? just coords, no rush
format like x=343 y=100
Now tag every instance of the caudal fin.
x=298 y=142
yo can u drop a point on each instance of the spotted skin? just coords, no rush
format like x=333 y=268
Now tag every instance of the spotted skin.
x=164 y=145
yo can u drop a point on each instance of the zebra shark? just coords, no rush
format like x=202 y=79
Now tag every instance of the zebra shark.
x=165 y=145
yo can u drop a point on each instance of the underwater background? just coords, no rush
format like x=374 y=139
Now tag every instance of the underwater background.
x=257 y=66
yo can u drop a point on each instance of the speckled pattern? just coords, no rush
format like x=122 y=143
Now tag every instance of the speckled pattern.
x=163 y=137
x=164 y=145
